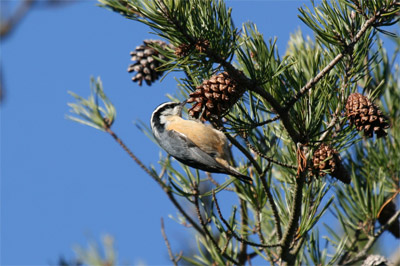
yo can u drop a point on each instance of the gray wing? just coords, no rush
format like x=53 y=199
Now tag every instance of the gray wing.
x=185 y=151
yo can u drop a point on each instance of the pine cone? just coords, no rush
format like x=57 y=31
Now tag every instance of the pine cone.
x=216 y=96
x=365 y=115
x=327 y=158
x=387 y=212
x=145 y=63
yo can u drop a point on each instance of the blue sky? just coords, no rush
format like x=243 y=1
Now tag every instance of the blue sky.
x=63 y=183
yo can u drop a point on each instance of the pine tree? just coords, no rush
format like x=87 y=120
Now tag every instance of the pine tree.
x=294 y=120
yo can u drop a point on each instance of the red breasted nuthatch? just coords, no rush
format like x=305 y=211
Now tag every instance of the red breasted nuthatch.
x=192 y=142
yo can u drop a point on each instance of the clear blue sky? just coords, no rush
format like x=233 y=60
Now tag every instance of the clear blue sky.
x=63 y=183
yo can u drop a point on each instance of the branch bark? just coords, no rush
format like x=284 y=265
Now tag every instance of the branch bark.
x=284 y=252
x=155 y=177
x=371 y=240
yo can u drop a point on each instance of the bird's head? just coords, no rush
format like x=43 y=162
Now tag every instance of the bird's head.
x=162 y=112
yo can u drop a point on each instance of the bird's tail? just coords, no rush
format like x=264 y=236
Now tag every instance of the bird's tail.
x=225 y=167
x=240 y=176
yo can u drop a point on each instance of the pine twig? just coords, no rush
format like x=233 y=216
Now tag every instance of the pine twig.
x=266 y=188
x=233 y=233
x=348 y=49
x=166 y=189
x=269 y=159
x=223 y=250
x=351 y=247
x=259 y=124
x=180 y=209
x=163 y=169
x=244 y=222
x=171 y=256
x=268 y=192
x=288 y=237
x=205 y=229
x=265 y=122
x=261 y=236
x=9 y=25
x=215 y=183
x=364 y=252
x=277 y=219
x=137 y=161
x=298 y=246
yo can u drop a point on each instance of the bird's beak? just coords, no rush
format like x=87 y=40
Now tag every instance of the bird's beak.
x=183 y=102
x=181 y=105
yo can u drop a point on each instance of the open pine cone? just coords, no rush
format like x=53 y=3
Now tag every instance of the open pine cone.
x=365 y=115
x=145 y=63
x=327 y=158
x=214 y=96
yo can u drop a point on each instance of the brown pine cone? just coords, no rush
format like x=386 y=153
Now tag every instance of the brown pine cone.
x=214 y=97
x=145 y=63
x=387 y=212
x=366 y=116
x=326 y=158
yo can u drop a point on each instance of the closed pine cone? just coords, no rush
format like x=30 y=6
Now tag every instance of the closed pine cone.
x=326 y=158
x=366 y=116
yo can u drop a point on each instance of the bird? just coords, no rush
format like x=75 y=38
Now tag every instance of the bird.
x=191 y=142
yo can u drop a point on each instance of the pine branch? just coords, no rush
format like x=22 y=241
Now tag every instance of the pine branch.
x=180 y=209
x=254 y=125
x=288 y=237
x=264 y=183
x=335 y=118
x=347 y=50
x=271 y=200
x=352 y=247
x=216 y=184
x=232 y=232
x=6 y=27
x=205 y=229
x=244 y=223
x=261 y=236
x=252 y=86
x=269 y=159
x=137 y=161
x=171 y=256
x=155 y=177
x=371 y=240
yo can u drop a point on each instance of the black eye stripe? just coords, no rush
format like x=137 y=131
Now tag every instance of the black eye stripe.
x=155 y=119
x=168 y=106
x=165 y=106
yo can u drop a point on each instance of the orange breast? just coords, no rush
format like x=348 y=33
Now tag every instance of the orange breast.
x=204 y=136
